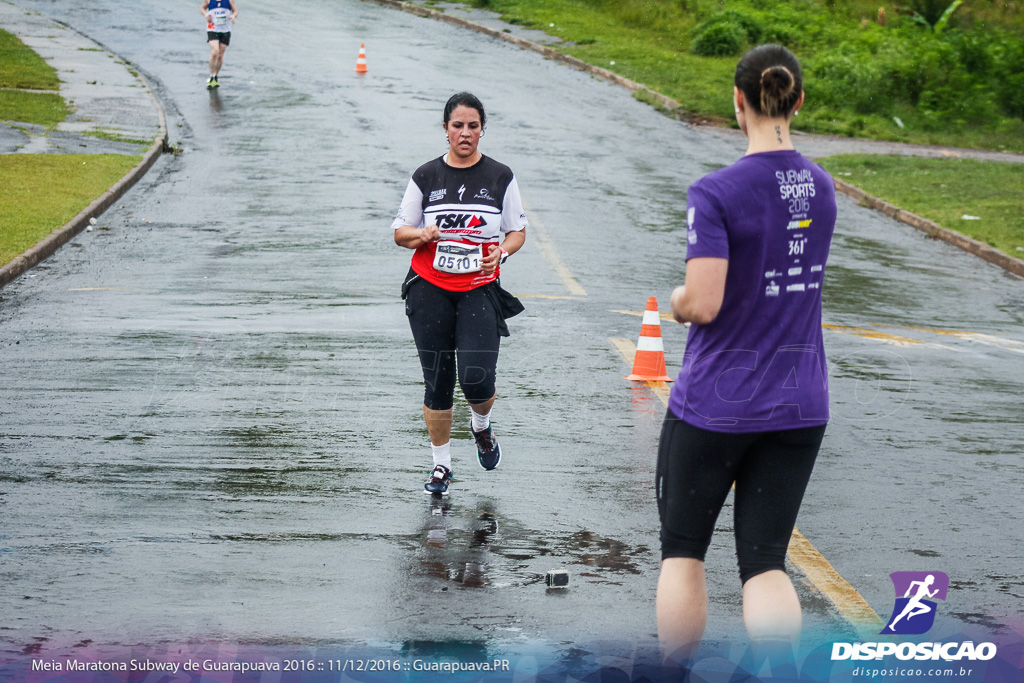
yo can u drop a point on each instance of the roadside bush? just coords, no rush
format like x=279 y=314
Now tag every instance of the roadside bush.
x=950 y=79
x=720 y=39
x=731 y=31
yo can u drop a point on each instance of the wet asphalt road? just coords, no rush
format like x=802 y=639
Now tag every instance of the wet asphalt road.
x=210 y=408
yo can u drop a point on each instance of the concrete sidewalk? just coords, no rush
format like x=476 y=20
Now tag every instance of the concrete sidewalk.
x=106 y=96
x=114 y=111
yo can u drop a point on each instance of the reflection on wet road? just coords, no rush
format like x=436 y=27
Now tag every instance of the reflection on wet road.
x=211 y=410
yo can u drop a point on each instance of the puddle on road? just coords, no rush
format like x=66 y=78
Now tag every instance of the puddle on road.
x=479 y=547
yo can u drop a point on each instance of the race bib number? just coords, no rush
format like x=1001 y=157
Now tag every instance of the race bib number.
x=456 y=257
x=219 y=19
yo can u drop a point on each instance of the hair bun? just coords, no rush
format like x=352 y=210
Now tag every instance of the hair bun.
x=771 y=80
x=777 y=78
x=777 y=83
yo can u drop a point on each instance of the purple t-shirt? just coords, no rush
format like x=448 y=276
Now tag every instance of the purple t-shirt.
x=760 y=365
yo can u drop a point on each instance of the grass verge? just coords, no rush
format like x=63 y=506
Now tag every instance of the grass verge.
x=45 y=109
x=43 y=192
x=945 y=191
x=649 y=41
x=21 y=67
x=116 y=137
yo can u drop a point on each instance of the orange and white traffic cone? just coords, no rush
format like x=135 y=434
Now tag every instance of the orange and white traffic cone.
x=361 y=60
x=649 y=362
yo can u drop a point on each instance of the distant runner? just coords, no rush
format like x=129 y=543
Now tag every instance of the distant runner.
x=751 y=402
x=454 y=210
x=219 y=14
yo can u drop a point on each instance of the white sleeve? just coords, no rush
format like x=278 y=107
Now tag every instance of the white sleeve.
x=411 y=211
x=513 y=215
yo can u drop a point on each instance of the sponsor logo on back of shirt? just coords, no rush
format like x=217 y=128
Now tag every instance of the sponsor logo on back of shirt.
x=437 y=194
x=483 y=194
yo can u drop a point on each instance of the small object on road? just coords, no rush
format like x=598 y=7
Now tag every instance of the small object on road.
x=649 y=361
x=965 y=217
x=92 y=222
x=557 y=578
x=361 y=59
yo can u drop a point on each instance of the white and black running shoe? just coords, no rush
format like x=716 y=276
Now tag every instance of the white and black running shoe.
x=438 y=482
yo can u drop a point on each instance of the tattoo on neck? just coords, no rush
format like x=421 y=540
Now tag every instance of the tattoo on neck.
x=778 y=133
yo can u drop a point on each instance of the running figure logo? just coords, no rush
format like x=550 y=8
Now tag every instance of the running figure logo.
x=913 y=613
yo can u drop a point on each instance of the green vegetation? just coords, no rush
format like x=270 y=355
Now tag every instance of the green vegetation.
x=30 y=209
x=45 y=109
x=20 y=67
x=115 y=137
x=923 y=71
x=946 y=190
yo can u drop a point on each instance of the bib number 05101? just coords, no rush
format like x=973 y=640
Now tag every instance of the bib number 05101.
x=456 y=257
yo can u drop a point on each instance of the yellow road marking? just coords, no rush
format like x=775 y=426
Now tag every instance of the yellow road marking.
x=664 y=316
x=627 y=350
x=850 y=604
x=547 y=250
x=893 y=339
x=986 y=339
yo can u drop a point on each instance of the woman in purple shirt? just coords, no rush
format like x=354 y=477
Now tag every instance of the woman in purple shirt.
x=751 y=402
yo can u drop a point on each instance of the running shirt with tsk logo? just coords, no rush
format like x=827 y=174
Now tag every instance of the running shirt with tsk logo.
x=220 y=16
x=471 y=207
x=760 y=364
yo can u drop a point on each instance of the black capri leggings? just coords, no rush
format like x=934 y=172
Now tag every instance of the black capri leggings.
x=453 y=331
x=696 y=469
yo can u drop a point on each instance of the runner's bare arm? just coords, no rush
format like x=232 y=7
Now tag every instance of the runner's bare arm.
x=234 y=10
x=700 y=299
x=513 y=242
x=413 y=238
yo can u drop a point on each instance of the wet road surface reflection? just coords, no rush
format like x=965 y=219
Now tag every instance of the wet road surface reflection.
x=480 y=547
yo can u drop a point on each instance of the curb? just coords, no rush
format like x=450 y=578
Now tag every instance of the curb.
x=973 y=246
x=933 y=229
x=45 y=247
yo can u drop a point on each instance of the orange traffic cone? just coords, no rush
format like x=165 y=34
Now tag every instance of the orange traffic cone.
x=361 y=60
x=649 y=362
